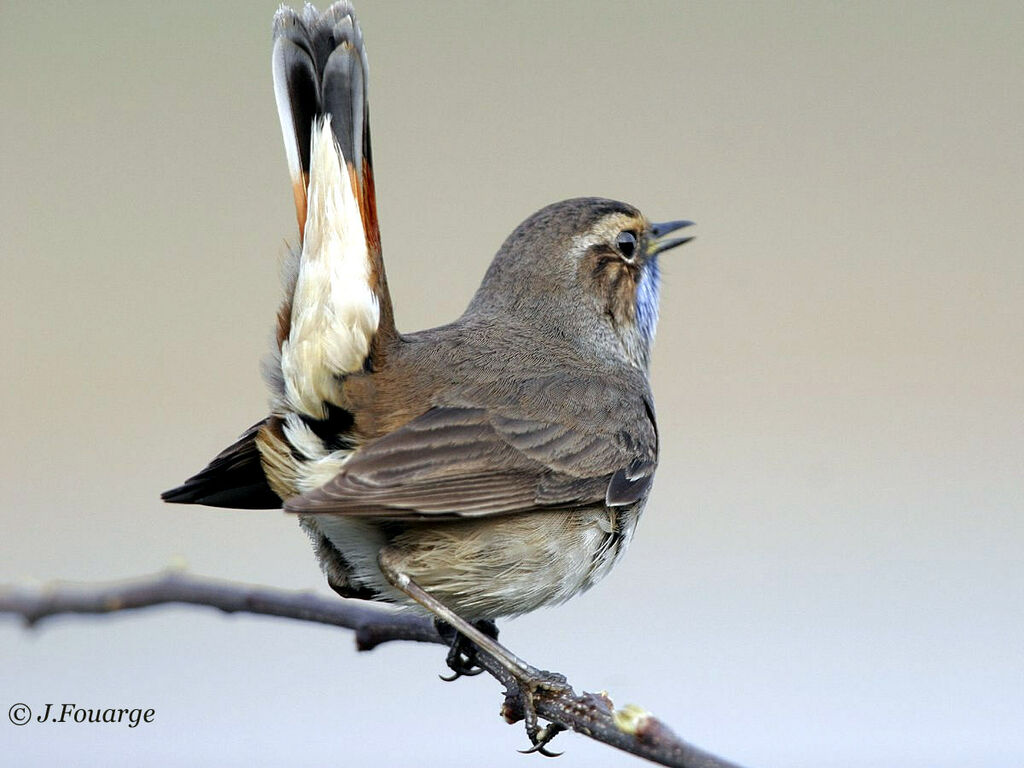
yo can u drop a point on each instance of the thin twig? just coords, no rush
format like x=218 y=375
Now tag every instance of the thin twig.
x=630 y=729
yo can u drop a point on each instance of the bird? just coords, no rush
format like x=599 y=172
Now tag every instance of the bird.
x=480 y=469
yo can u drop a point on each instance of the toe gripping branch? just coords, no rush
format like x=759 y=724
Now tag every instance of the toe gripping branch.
x=474 y=648
x=464 y=660
x=462 y=652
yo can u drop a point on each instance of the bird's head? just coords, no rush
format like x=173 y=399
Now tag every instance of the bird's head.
x=584 y=269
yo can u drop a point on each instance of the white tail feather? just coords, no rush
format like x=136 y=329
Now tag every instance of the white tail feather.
x=335 y=313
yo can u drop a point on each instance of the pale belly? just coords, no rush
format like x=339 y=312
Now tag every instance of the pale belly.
x=483 y=569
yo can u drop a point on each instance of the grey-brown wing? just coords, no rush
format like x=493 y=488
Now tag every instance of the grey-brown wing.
x=474 y=462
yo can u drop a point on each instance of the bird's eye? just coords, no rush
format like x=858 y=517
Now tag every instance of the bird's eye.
x=626 y=241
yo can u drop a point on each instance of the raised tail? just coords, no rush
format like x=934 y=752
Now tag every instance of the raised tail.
x=320 y=79
x=336 y=318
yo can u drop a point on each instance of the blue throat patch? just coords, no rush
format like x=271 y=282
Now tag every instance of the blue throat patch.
x=647 y=300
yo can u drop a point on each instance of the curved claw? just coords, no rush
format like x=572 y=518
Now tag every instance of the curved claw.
x=462 y=652
x=456 y=674
x=542 y=738
x=539 y=749
x=462 y=663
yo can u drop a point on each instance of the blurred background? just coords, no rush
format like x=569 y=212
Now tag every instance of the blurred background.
x=829 y=571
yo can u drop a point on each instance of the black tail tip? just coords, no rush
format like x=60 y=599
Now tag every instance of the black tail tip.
x=183 y=494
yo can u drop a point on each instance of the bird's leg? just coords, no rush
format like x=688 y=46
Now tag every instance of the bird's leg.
x=511 y=663
x=462 y=653
x=529 y=680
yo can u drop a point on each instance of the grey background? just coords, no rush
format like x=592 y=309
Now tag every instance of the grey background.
x=829 y=572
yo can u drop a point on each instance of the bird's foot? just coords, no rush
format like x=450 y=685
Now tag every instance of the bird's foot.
x=524 y=684
x=462 y=652
x=521 y=704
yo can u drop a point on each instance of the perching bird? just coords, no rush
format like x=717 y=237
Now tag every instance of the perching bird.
x=483 y=468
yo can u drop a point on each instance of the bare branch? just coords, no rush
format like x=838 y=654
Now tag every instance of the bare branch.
x=630 y=729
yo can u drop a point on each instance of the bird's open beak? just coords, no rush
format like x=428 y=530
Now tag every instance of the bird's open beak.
x=657 y=242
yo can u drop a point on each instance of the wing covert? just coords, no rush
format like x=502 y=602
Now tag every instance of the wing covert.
x=469 y=462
